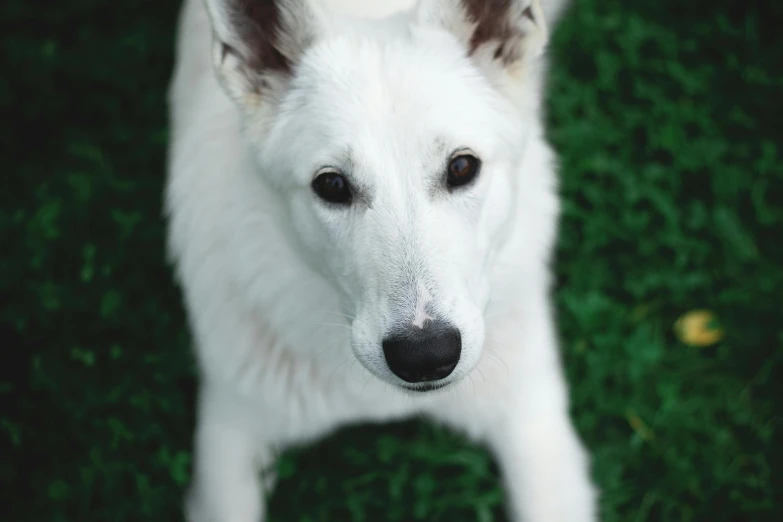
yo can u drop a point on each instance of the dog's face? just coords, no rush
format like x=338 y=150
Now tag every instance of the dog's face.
x=394 y=146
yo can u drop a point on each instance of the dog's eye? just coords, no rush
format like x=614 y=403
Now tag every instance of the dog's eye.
x=462 y=170
x=332 y=186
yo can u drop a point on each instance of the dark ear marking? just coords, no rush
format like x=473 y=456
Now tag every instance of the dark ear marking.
x=497 y=21
x=226 y=50
x=490 y=19
x=258 y=25
x=259 y=42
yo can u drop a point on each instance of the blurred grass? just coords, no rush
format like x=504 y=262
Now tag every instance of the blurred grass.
x=666 y=115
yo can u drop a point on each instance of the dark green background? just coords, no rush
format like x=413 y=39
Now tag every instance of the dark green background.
x=667 y=117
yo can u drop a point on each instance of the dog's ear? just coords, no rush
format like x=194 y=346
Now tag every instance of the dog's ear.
x=505 y=33
x=257 y=43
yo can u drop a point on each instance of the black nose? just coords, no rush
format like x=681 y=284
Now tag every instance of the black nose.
x=423 y=354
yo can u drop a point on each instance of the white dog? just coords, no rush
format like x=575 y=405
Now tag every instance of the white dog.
x=369 y=181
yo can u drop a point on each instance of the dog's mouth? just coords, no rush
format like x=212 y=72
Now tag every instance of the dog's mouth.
x=424 y=388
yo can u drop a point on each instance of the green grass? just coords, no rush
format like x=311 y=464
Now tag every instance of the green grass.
x=666 y=115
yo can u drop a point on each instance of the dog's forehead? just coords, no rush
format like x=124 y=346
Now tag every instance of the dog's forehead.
x=392 y=89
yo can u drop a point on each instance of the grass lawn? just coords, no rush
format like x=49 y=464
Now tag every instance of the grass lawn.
x=667 y=117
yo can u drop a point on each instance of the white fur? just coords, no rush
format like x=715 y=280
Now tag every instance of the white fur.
x=285 y=294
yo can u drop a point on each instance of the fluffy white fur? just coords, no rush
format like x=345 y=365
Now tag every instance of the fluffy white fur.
x=289 y=298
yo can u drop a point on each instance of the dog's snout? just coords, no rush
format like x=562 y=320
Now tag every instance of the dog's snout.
x=423 y=354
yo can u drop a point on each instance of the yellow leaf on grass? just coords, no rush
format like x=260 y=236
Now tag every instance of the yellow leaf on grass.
x=698 y=328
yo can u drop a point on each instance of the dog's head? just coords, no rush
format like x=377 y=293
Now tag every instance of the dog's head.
x=395 y=146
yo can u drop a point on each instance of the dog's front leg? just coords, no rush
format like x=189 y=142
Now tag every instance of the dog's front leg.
x=545 y=470
x=228 y=457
